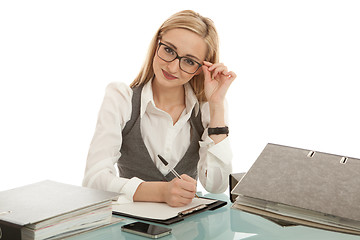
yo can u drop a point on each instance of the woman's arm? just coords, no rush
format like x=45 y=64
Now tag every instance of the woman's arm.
x=217 y=80
x=215 y=152
x=215 y=162
x=104 y=150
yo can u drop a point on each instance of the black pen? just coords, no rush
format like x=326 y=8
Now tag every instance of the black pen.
x=171 y=169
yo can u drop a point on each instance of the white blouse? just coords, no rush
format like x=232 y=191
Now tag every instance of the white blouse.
x=170 y=141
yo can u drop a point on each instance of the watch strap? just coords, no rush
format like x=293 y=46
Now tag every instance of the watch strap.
x=218 y=130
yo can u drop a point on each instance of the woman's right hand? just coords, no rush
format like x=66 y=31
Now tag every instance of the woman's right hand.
x=180 y=192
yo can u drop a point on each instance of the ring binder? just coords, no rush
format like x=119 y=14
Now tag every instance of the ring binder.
x=343 y=160
x=311 y=154
x=322 y=192
x=28 y=212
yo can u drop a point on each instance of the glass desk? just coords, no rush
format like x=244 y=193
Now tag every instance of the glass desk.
x=222 y=224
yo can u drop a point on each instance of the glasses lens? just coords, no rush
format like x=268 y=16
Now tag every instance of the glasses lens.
x=188 y=65
x=166 y=53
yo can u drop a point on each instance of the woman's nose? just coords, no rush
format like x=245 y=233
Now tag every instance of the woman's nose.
x=173 y=66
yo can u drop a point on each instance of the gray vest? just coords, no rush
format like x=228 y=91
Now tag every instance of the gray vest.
x=135 y=160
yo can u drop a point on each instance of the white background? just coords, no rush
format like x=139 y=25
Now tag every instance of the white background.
x=297 y=64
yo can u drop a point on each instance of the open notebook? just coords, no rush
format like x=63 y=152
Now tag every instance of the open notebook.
x=163 y=213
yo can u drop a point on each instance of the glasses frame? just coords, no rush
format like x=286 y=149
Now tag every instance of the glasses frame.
x=177 y=57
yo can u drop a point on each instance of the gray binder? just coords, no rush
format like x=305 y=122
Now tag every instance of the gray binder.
x=303 y=186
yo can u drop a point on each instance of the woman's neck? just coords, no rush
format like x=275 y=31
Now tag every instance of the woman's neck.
x=170 y=100
x=168 y=97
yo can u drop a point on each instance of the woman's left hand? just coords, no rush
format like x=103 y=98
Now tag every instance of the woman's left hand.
x=217 y=81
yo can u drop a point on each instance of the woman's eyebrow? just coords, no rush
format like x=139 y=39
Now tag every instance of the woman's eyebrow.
x=175 y=48
x=171 y=45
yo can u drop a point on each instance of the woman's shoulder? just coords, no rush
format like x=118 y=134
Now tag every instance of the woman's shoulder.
x=117 y=100
x=118 y=89
x=118 y=86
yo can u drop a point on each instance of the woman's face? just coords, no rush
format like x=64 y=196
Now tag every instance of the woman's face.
x=184 y=43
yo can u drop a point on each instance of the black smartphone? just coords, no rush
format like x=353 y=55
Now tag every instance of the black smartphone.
x=146 y=230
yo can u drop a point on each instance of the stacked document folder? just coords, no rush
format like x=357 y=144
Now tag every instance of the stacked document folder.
x=51 y=210
x=304 y=187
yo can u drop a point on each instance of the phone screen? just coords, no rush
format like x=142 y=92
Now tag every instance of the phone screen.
x=147 y=230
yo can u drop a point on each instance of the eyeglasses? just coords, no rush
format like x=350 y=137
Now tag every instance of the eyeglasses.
x=186 y=64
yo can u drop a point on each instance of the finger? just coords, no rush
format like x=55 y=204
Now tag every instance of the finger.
x=183 y=189
x=178 y=201
x=215 y=65
x=188 y=178
x=187 y=186
x=187 y=195
x=177 y=195
x=232 y=76
x=218 y=71
x=206 y=63
x=207 y=74
x=221 y=69
x=184 y=201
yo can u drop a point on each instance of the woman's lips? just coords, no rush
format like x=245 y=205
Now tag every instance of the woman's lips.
x=168 y=75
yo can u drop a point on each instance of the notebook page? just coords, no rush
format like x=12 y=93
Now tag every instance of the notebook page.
x=159 y=211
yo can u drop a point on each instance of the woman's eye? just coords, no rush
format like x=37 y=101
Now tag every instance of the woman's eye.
x=169 y=50
x=189 y=61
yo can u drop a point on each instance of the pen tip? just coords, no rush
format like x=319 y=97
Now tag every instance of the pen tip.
x=163 y=160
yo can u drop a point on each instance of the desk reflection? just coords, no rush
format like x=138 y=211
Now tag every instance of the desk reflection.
x=242 y=222
x=209 y=225
x=222 y=224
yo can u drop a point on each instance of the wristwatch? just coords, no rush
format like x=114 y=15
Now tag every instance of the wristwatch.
x=218 y=130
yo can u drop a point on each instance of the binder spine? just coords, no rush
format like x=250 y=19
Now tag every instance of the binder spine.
x=9 y=231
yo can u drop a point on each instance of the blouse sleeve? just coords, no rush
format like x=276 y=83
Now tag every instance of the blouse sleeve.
x=104 y=150
x=215 y=162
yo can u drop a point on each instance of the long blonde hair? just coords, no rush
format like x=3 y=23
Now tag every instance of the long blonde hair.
x=191 y=21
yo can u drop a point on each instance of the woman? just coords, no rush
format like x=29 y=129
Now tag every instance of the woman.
x=174 y=108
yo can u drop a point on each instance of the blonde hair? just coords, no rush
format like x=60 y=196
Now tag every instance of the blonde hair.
x=191 y=21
